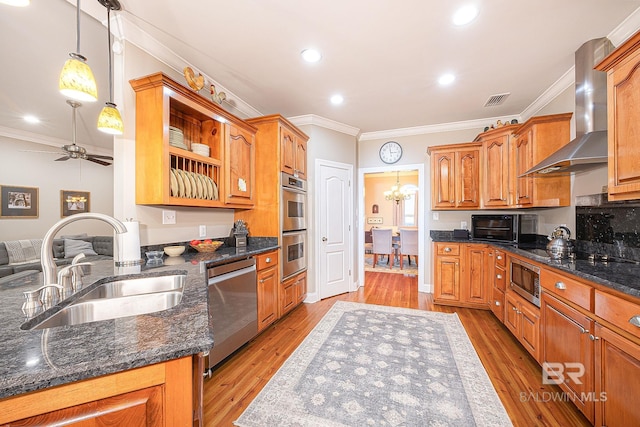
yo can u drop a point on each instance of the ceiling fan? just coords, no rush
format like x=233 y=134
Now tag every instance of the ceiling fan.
x=74 y=151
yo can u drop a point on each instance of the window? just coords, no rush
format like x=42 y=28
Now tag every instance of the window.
x=409 y=214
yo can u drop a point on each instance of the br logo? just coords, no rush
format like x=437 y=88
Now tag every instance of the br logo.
x=558 y=373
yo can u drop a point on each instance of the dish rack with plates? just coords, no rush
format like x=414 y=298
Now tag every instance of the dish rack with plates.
x=193 y=179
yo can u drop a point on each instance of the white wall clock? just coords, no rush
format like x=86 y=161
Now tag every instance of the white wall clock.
x=390 y=152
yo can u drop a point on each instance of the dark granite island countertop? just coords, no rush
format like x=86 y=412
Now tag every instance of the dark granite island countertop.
x=37 y=359
x=620 y=276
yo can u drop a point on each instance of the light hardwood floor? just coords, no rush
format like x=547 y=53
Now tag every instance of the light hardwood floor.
x=238 y=380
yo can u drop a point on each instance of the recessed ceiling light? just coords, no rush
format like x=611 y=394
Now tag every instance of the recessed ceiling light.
x=337 y=99
x=19 y=3
x=311 y=55
x=465 y=14
x=31 y=119
x=446 y=79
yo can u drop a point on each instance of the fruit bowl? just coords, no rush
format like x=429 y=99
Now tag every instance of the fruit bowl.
x=206 y=247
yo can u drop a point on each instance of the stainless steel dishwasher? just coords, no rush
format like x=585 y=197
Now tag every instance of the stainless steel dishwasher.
x=233 y=306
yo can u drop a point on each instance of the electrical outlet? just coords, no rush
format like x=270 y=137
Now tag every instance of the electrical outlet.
x=203 y=230
x=374 y=220
x=436 y=216
x=168 y=217
x=463 y=225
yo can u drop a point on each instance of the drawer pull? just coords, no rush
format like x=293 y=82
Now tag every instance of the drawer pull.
x=261 y=280
x=267 y=260
x=561 y=286
x=499 y=257
x=447 y=249
x=635 y=321
x=499 y=276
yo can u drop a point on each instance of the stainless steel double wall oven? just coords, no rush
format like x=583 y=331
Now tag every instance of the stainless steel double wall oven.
x=293 y=219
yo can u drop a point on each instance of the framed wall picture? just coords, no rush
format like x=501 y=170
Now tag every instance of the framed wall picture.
x=18 y=202
x=73 y=202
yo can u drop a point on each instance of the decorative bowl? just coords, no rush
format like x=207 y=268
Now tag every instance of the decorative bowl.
x=154 y=255
x=174 y=250
x=207 y=247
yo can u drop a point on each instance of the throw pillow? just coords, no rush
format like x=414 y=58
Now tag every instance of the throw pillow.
x=75 y=247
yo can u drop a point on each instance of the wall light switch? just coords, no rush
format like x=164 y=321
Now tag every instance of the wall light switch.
x=436 y=216
x=202 y=230
x=463 y=225
x=168 y=217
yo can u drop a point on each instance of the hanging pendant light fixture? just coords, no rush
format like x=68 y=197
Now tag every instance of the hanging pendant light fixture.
x=396 y=193
x=110 y=120
x=76 y=79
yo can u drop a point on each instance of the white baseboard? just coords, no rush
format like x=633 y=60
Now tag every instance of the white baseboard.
x=426 y=288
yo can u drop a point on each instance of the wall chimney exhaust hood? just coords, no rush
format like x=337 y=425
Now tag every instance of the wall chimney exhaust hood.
x=589 y=148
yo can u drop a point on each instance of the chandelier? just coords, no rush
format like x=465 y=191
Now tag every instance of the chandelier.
x=396 y=193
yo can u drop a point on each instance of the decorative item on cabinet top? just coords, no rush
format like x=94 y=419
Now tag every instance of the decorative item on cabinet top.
x=195 y=83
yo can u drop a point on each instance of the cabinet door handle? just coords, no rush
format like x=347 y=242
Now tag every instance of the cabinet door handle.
x=583 y=330
x=514 y=309
x=593 y=338
x=447 y=249
x=498 y=303
x=261 y=280
x=561 y=286
x=499 y=257
x=635 y=321
x=498 y=276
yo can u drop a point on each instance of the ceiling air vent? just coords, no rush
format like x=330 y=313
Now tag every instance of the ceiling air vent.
x=496 y=99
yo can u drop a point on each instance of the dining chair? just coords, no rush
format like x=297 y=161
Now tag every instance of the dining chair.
x=382 y=244
x=408 y=245
x=368 y=242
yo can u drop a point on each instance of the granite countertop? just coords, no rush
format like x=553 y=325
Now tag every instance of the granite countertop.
x=621 y=276
x=36 y=359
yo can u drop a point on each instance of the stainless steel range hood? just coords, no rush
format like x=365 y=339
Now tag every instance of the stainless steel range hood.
x=589 y=148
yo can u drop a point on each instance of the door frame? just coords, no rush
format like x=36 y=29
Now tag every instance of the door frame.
x=317 y=238
x=360 y=226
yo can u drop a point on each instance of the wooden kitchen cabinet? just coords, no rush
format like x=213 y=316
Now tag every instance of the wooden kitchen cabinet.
x=292 y=292
x=268 y=280
x=240 y=162
x=446 y=273
x=523 y=320
x=566 y=340
x=461 y=275
x=455 y=176
x=155 y=395
x=294 y=152
x=617 y=360
x=623 y=110
x=228 y=171
x=535 y=140
x=497 y=183
x=264 y=218
x=476 y=289
x=498 y=280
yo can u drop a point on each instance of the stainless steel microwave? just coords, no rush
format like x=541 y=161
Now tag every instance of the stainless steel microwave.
x=511 y=228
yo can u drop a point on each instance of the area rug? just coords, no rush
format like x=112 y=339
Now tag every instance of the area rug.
x=371 y=365
x=383 y=267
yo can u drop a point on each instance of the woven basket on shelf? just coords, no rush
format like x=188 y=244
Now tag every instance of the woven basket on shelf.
x=207 y=247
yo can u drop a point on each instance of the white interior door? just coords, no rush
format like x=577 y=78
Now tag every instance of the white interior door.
x=334 y=207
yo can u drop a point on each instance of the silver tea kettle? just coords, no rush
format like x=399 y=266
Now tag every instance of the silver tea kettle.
x=559 y=245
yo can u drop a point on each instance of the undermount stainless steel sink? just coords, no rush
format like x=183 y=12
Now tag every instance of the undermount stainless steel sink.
x=120 y=298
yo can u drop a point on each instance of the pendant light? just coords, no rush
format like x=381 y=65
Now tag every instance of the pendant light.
x=396 y=194
x=110 y=120
x=76 y=79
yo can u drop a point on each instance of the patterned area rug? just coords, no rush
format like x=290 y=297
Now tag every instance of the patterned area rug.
x=371 y=365
x=383 y=267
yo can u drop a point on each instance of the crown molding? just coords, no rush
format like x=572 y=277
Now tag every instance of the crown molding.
x=552 y=92
x=626 y=29
x=438 y=128
x=134 y=34
x=22 y=135
x=312 y=119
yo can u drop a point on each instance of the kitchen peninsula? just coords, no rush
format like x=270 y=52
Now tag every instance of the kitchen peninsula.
x=44 y=371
